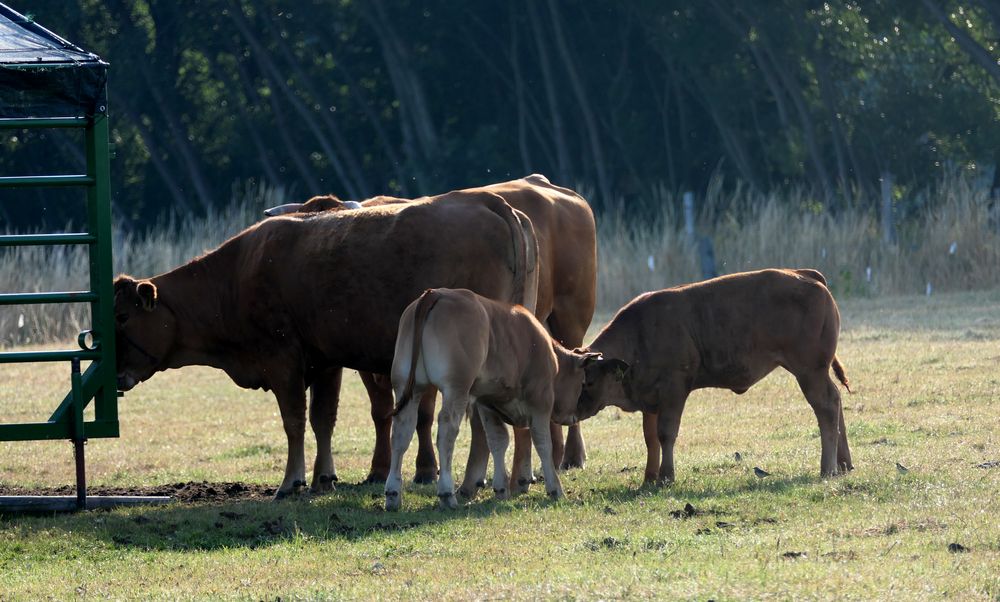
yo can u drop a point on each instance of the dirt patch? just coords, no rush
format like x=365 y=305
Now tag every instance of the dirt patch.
x=191 y=491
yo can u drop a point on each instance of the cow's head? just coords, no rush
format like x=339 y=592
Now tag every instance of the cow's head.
x=569 y=382
x=606 y=381
x=144 y=330
x=316 y=204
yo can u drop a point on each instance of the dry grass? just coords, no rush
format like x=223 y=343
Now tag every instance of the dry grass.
x=927 y=396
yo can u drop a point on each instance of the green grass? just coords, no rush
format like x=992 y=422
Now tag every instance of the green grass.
x=928 y=385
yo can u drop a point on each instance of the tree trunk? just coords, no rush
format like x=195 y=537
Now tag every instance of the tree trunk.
x=555 y=111
x=593 y=136
x=971 y=47
x=274 y=75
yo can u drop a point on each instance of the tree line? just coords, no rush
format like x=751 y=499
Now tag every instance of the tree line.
x=408 y=97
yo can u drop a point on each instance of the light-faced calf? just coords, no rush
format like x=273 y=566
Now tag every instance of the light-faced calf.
x=727 y=333
x=474 y=349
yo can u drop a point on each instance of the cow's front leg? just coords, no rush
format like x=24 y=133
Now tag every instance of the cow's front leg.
x=323 y=404
x=292 y=403
x=403 y=425
x=379 y=389
x=652 y=439
x=453 y=406
x=426 y=462
x=540 y=435
x=496 y=435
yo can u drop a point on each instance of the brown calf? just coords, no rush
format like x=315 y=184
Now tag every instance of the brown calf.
x=727 y=333
x=475 y=349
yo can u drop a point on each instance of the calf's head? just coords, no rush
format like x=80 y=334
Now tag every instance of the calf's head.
x=569 y=382
x=605 y=382
x=144 y=330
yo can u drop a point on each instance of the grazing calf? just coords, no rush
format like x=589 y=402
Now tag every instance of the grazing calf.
x=728 y=333
x=475 y=349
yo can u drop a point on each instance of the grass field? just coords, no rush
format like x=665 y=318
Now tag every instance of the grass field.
x=927 y=396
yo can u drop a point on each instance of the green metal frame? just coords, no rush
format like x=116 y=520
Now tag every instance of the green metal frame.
x=99 y=381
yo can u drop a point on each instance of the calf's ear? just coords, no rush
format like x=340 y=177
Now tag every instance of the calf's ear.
x=147 y=293
x=585 y=357
x=619 y=369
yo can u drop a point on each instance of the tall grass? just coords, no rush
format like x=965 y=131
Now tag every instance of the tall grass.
x=748 y=230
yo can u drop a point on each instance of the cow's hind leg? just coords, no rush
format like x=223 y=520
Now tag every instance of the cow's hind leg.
x=292 y=403
x=323 y=403
x=496 y=435
x=403 y=425
x=479 y=455
x=453 y=406
x=824 y=398
x=380 y=393
x=426 y=462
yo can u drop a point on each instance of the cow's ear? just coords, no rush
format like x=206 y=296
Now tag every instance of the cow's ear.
x=147 y=293
x=619 y=369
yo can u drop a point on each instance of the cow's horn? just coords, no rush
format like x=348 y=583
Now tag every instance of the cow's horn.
x=283 y=209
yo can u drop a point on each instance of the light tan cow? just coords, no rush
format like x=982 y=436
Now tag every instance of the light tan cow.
x=474 y=349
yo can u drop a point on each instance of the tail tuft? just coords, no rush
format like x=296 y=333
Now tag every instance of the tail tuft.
x=838 y=369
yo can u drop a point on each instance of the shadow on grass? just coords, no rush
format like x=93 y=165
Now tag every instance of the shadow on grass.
x=699 y=490
x=352 y=512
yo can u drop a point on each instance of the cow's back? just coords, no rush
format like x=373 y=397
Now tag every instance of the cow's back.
x=340 y=281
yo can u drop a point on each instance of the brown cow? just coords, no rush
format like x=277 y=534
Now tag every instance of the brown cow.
x=500 y=356
x=289 y=297
x=567 y=241
x=728 y=333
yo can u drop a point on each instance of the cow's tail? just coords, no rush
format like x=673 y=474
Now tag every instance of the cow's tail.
x=813 y=274
x=838 y=370
x=525 y=252
x=424 y=305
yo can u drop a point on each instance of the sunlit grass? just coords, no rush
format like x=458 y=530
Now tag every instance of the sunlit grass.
x=928 y=396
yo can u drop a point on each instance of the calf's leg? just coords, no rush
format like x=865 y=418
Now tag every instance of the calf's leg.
x=568 y=323
x=649 y=434
x=843 y=449
x=426 y=462
x=496 y=435
x=668 y=425
x=541 y=436
x=475 y=467
x=824 y=398
x=403 y=425
x=453 y=406
x=323 y=403
x=521 y=476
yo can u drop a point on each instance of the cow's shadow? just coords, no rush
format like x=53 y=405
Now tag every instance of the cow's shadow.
x=353 y=512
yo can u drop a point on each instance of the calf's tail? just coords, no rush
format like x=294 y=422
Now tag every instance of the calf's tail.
x=424 y=305
x=838 y=369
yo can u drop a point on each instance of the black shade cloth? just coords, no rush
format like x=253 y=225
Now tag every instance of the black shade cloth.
x=43 y=75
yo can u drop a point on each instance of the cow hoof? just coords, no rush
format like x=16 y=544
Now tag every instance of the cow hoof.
x=373 y=478
x=846 y=467
x=423 y=477
x=571 y=464
x=469 y=495
x=448 y=501
x=522 y=486
x=393 y=501
x=500 y=494
x=555 y=494
x=324 y=484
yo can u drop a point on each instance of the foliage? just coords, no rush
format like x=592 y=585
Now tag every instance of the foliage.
x=410 y=98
